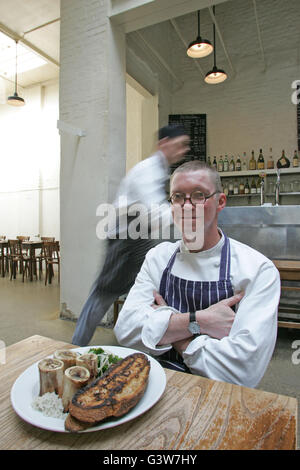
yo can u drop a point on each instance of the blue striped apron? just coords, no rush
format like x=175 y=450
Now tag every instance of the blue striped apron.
x=186 y=296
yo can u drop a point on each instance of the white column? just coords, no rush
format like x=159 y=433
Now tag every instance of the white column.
x=92 y=99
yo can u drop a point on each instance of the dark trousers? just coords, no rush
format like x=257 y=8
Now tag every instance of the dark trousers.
x=123 y=261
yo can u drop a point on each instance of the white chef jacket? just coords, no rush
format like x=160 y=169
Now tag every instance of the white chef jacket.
x=241 y=357
x=145 y=184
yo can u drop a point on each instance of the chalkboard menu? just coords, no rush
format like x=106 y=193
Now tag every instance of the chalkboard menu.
x=195 y=126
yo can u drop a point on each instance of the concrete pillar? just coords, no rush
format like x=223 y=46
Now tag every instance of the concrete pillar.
x=92 y=99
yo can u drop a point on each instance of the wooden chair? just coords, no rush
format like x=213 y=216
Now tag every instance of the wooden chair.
x=3 y=256
x=51 y=255
x=40 y=256
x=17 y=257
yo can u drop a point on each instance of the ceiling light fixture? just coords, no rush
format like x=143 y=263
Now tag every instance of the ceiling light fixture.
x=215 y=75
x=200 y=47
x=15 y=99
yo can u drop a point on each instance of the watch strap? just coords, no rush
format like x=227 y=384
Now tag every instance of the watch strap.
x=192 y=317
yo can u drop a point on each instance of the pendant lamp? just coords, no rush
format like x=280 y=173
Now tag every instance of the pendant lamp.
x=200 y=47
x=215 y=75
x=15 y=99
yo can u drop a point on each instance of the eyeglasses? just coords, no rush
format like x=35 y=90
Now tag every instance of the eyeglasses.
x=196 y=197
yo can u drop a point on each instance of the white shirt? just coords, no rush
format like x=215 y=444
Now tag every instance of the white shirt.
x=144 y=185
x=240 y=358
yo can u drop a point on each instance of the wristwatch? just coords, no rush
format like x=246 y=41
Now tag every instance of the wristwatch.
x=194 y=328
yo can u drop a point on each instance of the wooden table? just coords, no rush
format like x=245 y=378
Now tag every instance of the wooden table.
x=193 y=413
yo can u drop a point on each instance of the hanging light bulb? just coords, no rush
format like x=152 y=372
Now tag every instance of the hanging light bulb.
x=200 y=47
x=215 y=75
x=15 y=99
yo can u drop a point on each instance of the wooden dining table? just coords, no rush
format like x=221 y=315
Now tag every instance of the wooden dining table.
x=193 y=413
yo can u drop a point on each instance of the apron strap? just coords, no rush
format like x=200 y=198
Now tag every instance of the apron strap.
x=225 y=261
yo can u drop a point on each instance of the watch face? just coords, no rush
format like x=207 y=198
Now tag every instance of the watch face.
x=194 y=328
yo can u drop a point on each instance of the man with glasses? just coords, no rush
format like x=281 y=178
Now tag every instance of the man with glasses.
x=205 y=304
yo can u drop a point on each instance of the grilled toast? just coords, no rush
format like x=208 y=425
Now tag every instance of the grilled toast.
x=114 y=393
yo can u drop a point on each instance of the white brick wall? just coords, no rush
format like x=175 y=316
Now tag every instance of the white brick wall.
x=92 y=97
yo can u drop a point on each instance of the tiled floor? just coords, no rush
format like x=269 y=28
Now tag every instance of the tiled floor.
x=32 y=308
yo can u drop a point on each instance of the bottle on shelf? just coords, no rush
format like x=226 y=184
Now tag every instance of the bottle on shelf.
x=232 y=164
x=253 y=187
x=208 y=160
x=258 y=185
x=230 y=188
x=252 y=162
x=242 y=187
x=226 y=163
x=238 y=165
x=295 y=159
x=283 y=161
x=260 y=161
x=247 y=187
x=244 y=162
x=226 y=189
x=236 y=188
x=270 y=163
x=221 y=165
x=215 y=163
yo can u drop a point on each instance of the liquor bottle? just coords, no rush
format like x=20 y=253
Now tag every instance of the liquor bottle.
x=260 y=161
x=208 y=161
x=258 y=186
x=283 y=162
x=230 y=189
x=247 y=187
x=226 y=189
x=242 y=187
x=252 y=162
x=221 y=165
x=244 y=162
x=226 y=163
x=270 y=164
x=231 y=164
x=253 y=187
x=215 y=163
x=236 y=188
x=238 y=165
x=295 y=159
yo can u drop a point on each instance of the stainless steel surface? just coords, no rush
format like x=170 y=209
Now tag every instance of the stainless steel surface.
x=274 y=231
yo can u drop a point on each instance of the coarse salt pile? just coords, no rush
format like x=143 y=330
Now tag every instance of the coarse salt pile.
x=50 y=405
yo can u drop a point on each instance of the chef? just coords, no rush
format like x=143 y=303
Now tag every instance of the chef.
x=207 y=308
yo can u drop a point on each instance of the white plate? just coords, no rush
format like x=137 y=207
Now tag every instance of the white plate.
x=26 y=389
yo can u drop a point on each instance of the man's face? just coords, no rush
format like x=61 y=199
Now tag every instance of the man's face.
x=200 y=217
x=175 y=148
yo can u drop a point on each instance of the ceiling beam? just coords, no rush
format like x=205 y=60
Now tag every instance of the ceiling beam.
x=41 y=26
x=221 y=39
x=16 y=37
x=159 y=57
x=175 y=26
x=132 y=15
x=259 y=36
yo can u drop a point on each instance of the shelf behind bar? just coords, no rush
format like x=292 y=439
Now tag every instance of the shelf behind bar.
x=257 y=172
x=267 y=195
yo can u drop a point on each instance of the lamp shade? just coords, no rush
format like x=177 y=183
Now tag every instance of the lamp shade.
x=215 y=75
x=199 y=48
x=15 y=100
